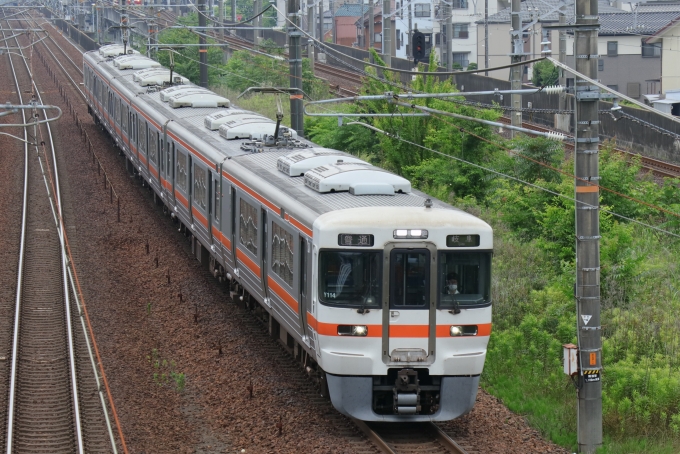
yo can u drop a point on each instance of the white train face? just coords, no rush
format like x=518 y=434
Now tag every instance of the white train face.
x=397 y=290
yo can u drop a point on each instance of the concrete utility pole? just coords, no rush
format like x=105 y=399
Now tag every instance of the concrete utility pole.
x=233 y=10
x=310 y=30
x=387 y=33
x=334 y=27
x=371 y=31
x=448 y=35
x=486 y=36
x=586 y=137
x=320 y=14
x=220 y=14
x=516 y=71
x=409 y=48
x=295 y=64
x=202 y=49
x=257 y=7
x=563 y=119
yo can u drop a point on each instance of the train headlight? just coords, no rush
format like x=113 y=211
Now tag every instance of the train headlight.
x=467 y=330
x=409 y=234
x=352 y=330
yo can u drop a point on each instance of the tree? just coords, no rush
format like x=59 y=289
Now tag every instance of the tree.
x=544 y=74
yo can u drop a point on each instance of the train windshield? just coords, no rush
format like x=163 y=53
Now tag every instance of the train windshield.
x=464 y=279
x=350 y=279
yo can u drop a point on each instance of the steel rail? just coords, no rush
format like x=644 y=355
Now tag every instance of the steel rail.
x=68 y=75
x=57 y=195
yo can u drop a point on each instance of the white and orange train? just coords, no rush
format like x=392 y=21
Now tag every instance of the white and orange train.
x=383 y=292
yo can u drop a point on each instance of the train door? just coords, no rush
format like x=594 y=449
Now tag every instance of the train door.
x=216 y=237
x=181 y=186
x=303 y=292
x=169 y=185
x=409 y=304
x=232 y=228
x=263 y=253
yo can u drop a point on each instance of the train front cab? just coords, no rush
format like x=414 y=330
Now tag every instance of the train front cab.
x=396 y=343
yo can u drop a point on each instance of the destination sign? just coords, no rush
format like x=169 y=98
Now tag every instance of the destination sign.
x=462 y=240
x=355 y=240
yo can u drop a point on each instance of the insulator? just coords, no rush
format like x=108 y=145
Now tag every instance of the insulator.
x=553 y=89
x=555 y=136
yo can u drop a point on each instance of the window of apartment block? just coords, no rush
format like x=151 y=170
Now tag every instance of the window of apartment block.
x=460 y=31
x=377 y=38
x=460 y=4
x=651 y=49
x=600 y=65
x=398 y=34
x=421 y=10
x=613 y=87
x=633 y=89
x=612 y=48
x=461 y=58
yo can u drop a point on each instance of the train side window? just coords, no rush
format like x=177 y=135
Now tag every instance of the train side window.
x=200 y=186
x=142 y=136
x=152 y=146
x=181 y=171
x=248 y=224
x=126 y=114
x=282 y=254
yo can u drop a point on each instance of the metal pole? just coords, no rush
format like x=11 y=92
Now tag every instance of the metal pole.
x=320 y=14
x=387 y=33
x=409 y=48
x=331 y=5
x=258 y=22
x=448 y=35
x=371 y=30
x=202 y=50
x=486 y=36
x=563 y=56
x=516 y=71
x=310 y=30
x=295 y=63
x=220 y=13
x=233 y=10
x=586 y=137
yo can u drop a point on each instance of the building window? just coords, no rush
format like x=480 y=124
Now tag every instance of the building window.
x=600 y=65
x=612 y=48
x=398 y=34
x=460 y=31
x=377 y=38
x=421 y=10
x=633 y=89
x=651 y=49
x=613 y=87
x=460 y=4
x=282 y=254
x=200 y=186
x=248 y=226
x=461 y=58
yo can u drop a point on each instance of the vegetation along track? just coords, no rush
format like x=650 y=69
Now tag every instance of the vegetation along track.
x=657 y=167
x=50 y=392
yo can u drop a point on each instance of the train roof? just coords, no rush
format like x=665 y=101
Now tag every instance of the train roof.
x=353 y=183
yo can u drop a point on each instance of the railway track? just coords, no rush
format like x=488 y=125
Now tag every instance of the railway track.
x=51 y=396
x=658 y=168
x=409 y=438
